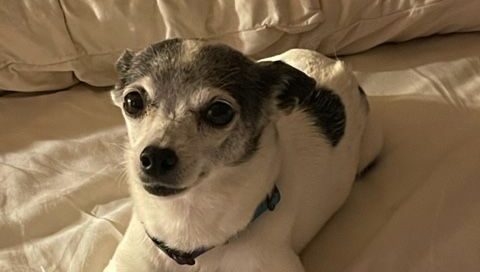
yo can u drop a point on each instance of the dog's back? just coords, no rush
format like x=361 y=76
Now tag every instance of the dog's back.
x=319 y=168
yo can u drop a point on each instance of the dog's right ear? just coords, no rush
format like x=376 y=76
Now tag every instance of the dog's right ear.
x=122 y=66
x=290 y=86
x=124 y=62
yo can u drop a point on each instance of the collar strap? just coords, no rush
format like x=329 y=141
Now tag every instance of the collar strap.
x=268 y=204
x=181 y=257
x=188 y=258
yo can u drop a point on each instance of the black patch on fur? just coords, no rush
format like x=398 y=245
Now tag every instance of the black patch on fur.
x=231 y=71
x=297 y=90
x=329 y=113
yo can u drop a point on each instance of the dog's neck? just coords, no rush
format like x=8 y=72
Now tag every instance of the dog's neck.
x=212 y=212
x=182 y=257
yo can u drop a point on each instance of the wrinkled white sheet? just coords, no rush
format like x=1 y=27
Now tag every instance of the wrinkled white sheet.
x=64 y=204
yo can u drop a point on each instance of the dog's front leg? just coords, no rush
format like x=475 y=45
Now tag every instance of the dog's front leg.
x=261 y=259
x=133 y=253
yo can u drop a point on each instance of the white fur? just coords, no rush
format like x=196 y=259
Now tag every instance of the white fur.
x=314 y=179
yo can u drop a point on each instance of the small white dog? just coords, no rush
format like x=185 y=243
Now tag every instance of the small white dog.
x=235 y=165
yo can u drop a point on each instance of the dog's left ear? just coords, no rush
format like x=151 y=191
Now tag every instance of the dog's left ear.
x=291 y=87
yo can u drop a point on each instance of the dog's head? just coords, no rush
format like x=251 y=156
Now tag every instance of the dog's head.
x=193 y=107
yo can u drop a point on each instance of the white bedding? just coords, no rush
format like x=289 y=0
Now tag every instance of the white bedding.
x=64 y=206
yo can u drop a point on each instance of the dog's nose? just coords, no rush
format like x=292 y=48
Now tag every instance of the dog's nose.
x=157 y=161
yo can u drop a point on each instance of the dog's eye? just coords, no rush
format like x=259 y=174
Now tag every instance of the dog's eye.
x=219 y=114
x=133 y=103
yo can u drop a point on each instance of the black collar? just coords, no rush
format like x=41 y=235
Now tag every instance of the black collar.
x=182 y=257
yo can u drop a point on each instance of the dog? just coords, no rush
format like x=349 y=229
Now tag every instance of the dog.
x=232 y=164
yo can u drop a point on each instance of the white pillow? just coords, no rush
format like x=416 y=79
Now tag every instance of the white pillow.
x=49 y=45
x=358 y=25
x=55 y=44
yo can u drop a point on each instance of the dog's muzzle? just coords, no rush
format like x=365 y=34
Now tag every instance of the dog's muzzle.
x=157 y=165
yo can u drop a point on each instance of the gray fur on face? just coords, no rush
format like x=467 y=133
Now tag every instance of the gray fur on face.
x=212 y=65
x=181 y=71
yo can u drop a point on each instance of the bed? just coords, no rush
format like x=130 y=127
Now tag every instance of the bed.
x=64 y=203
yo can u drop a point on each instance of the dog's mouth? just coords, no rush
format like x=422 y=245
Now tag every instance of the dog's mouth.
x=160 y=190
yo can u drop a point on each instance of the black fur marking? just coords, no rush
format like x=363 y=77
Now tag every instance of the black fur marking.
x=329 y=113
x=300 y=91
x=231 y=71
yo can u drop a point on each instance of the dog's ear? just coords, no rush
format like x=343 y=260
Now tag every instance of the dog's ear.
x=290 y=86
x=122 y=66
x=124 y=62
